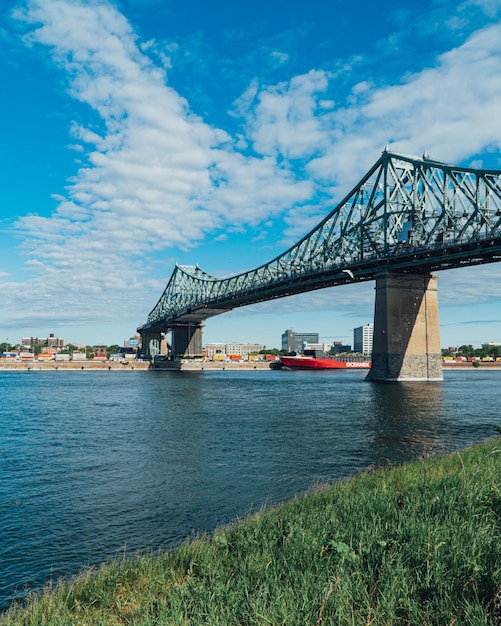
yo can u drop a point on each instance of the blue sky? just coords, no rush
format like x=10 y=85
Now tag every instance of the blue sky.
x=141 y=133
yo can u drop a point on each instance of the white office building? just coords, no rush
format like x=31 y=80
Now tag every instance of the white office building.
x=224 y=349
x=362 y=339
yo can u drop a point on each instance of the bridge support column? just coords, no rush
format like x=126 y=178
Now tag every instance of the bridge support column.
x=187 y=340
x=164 y=346
x=152 y=343
x=406 y=329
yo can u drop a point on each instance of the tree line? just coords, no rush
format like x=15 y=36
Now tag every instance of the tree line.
x=468 y=351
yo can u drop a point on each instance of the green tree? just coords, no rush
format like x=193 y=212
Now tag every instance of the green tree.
x=494 y=351
x=466 y=350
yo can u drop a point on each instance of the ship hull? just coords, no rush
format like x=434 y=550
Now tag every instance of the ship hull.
x=312 y=363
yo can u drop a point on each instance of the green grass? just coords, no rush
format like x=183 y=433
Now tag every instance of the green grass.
x=418 y=544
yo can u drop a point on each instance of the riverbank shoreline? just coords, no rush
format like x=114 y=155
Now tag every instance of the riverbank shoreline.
x=469 y=366
x=132 y=366
x=186 y=366
x=416 y=544
x=39 y=366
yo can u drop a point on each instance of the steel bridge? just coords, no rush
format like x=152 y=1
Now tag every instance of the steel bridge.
x=407 y=215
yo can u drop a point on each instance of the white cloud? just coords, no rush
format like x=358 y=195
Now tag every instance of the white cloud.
x=155 y=172
x=279 y=58
x=490 y=7
x=470 y=285
x=285 y=119
x=156 y=163
x=449 y=111
x=157 y=175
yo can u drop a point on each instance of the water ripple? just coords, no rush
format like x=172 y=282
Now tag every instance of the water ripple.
x=95 y=465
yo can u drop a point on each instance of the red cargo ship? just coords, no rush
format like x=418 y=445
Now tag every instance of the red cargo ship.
x=317 y=361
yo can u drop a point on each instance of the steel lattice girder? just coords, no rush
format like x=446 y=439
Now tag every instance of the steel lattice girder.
x=406 y=214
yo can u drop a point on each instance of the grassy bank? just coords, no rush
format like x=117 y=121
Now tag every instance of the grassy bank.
x=418 y=544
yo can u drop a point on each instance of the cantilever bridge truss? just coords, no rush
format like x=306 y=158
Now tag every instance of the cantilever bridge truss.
x=406 y=215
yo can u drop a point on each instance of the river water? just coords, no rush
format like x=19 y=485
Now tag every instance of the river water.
x=95 y=464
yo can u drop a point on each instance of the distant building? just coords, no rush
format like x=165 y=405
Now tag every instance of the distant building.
x=99 y=353
x=338 y=347
x=50 y=341
x=363 y=338
x=294 y=342
x=222 y=350
x=132 y=343
x=323 y=347
x=215 y=349
x=243 y=349
x=55 y=342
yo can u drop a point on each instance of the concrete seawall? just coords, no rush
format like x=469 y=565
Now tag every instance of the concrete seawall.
x=73 y=365
x=188 y=366
x=198 y=366
x=91 y=365
x=469 y=366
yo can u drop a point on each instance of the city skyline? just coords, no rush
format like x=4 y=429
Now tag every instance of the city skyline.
x=139 y=134
x=61 y=342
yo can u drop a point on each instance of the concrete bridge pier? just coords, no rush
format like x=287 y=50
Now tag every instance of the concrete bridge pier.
x=406 y=329
x=187 y=340
x=152 y=343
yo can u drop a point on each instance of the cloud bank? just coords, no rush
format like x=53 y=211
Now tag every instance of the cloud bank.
x=156 y=174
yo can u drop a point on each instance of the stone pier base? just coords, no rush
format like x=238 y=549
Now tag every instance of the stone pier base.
x=406 y=329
